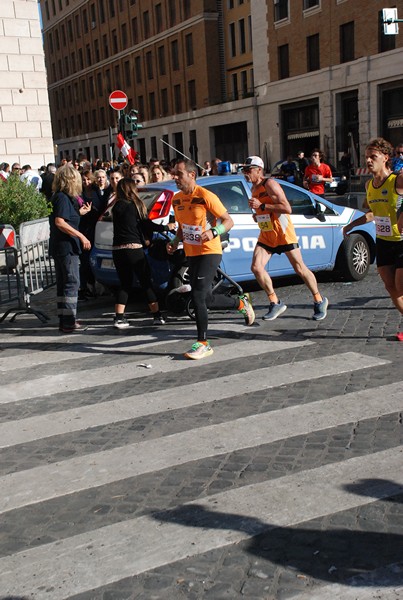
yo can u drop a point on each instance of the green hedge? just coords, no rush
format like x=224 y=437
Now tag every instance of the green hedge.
x=20 y=202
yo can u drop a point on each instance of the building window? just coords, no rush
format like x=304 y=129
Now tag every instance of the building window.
x=175 y=55
x=232 y=39
x=66 y=66
x=137 y=68
x=178 y=98
x=57 y=40
x=108 y=81
x=153 y=142
x=172 y=12
x=164 y=102
x=128 y=78
x=146 y=24
x=158 y=17
x=283 y=62
x=80 y=58
x=347 y=42
x=310 y=4
x=192 y=94
x=111 y=8
x=88 y=53
x=50 y=42
x=53 y=7
x=114 y=41
x=149 y=65
x=189 y=49
x=385 y=42
x=135 y=31
x=161 y=60
x=101 y=8
x=47 y=10
x=105 y=45
x=234 y=80
x=73 y=62
x=250 y=33
x=92 y=88
x=244 y=83
x=96 y=51
x=230 y=4
x=242 y=44
x=312 y=52
x=280 y=10
x=117 y=77
x=70 y=29
x=64 y=36
x=100 y=89
x=151 y=101
x=186 y=9
x=93 y=16
x=78 y=26
x=124 y=35
x=85 y=21
x=140 y=106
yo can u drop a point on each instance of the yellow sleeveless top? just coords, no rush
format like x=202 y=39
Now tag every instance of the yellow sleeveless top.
x=383 y=203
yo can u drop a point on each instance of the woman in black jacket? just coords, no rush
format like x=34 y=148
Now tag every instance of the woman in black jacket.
x=131 y=227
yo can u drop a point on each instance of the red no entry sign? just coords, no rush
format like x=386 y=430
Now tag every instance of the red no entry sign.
x=118 y=100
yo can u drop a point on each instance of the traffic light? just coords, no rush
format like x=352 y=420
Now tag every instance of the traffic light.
x=129 y=125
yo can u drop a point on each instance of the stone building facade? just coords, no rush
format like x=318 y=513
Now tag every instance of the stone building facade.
x=25 y=126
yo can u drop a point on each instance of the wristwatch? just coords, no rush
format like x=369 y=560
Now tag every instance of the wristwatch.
x=214 y=232
x=262 y=206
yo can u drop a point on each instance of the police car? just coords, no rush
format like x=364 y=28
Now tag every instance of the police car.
x=318 y=224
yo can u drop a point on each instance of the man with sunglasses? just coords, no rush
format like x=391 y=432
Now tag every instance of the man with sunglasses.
x=277 y=236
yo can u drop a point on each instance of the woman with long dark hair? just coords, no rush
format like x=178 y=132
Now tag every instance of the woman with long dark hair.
x=131 y=229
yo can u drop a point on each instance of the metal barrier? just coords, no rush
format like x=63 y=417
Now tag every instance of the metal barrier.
x=32 y=270
x=10 y=284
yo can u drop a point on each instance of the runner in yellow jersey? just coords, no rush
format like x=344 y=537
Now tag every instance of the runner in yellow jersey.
x=383 y=203
x=196 y=212
x=277 y=236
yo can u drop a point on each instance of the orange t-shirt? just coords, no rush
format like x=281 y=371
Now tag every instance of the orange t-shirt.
x=195 y=213
x=276 y=229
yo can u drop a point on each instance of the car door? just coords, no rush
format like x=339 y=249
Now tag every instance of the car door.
x=234 y=193
x=313 y=224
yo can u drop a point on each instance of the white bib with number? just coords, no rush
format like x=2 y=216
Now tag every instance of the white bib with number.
x=264 y=222
x=383 y=226
x=192 y=234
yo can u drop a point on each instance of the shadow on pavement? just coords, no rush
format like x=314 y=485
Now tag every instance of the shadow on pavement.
x=332 y=554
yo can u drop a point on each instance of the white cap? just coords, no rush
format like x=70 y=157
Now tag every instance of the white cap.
x=254 y=161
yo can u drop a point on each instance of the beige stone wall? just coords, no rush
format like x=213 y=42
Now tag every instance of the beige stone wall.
x=25 y=127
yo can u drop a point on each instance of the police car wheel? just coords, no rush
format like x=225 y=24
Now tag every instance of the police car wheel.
x=354 y=258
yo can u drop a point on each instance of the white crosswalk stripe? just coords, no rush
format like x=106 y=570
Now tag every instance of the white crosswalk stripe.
x=79 y=563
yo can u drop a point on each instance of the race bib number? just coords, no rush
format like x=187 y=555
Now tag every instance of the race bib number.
x=383 y=226
x=264 y=222
x=192 y=234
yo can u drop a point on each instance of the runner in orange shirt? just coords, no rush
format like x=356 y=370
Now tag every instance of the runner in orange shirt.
x=196 y=212
x=277 y=236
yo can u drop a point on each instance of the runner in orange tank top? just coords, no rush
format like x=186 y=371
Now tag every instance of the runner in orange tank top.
x=277 y=236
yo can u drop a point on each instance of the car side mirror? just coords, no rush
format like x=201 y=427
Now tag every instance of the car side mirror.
x=320 y=211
